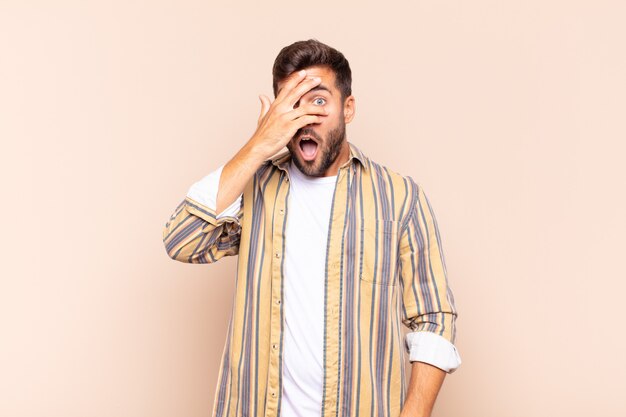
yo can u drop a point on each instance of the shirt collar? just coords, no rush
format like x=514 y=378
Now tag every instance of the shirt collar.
x=282 y=159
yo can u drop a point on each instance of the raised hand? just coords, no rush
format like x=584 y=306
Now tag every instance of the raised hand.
x=281 y=119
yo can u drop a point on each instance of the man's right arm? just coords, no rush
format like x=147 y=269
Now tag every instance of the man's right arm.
x=194 y=232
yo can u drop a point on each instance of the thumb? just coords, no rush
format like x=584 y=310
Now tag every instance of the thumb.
x=265 y=106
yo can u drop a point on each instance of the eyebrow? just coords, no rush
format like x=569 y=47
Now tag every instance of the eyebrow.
x=319 y=87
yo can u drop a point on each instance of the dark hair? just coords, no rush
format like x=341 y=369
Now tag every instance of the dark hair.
x=303 y=54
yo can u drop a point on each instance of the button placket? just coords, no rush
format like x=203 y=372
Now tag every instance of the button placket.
x=273 y=387
x=333 y=327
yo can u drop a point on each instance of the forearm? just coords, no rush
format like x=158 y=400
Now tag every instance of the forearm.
x=425 y=383
x=236 y=174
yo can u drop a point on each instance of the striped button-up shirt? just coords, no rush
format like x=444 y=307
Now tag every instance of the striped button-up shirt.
x=384 y=267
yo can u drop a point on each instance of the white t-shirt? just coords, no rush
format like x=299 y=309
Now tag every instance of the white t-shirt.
x=306 y=234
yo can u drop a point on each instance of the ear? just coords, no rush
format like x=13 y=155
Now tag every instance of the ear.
x=349 y=107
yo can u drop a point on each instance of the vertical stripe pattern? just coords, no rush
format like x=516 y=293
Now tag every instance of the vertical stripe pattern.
x=385 y=268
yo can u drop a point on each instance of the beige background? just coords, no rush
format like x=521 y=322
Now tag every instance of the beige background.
x=509 y=113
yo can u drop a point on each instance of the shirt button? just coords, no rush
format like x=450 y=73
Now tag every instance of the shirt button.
x=277 y=255
x=282 y=211
x=274 y=394
x=277 y=301
x=274 y=346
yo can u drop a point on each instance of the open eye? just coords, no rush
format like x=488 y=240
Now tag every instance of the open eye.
x=317 y=101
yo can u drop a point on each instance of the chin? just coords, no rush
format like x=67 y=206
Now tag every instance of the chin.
x=310 y=168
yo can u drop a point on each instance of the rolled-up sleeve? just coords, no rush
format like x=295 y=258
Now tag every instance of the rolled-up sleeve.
x=195 y=233
x=428 y=307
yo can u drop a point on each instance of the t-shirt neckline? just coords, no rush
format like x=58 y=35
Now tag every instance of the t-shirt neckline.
x=294 y=171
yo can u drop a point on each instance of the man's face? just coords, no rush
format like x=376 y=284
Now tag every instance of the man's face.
x=317 y=149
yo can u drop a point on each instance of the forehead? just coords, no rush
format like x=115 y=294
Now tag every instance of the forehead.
x=325 y=73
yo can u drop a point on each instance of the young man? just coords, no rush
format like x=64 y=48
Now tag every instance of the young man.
x=335 y=253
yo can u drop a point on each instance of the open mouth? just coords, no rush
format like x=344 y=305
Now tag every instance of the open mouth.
x=308 y=147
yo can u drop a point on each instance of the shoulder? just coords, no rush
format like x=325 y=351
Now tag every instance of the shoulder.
x=383 y=175
x=399 y=191
x=269 y=173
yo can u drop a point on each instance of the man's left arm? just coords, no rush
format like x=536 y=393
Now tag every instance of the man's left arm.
x=427 y=307
x=426 y=380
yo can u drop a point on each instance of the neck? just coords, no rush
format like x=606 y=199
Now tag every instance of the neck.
x=342 y=158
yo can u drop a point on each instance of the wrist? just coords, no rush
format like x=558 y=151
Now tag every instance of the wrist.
x=255 y=151
x=253 y=154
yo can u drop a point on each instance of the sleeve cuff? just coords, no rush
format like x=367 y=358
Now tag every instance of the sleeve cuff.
x=433 y=349
x=205 y=193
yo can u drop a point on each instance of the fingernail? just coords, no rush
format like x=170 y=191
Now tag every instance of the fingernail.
x=302 y=72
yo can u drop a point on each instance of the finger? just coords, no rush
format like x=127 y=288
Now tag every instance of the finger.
x=265 y=106
x=306 y=120
x=307 y=109
x=292 y=80
x=301 y=89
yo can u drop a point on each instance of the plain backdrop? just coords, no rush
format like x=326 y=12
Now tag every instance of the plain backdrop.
x=510 y=114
